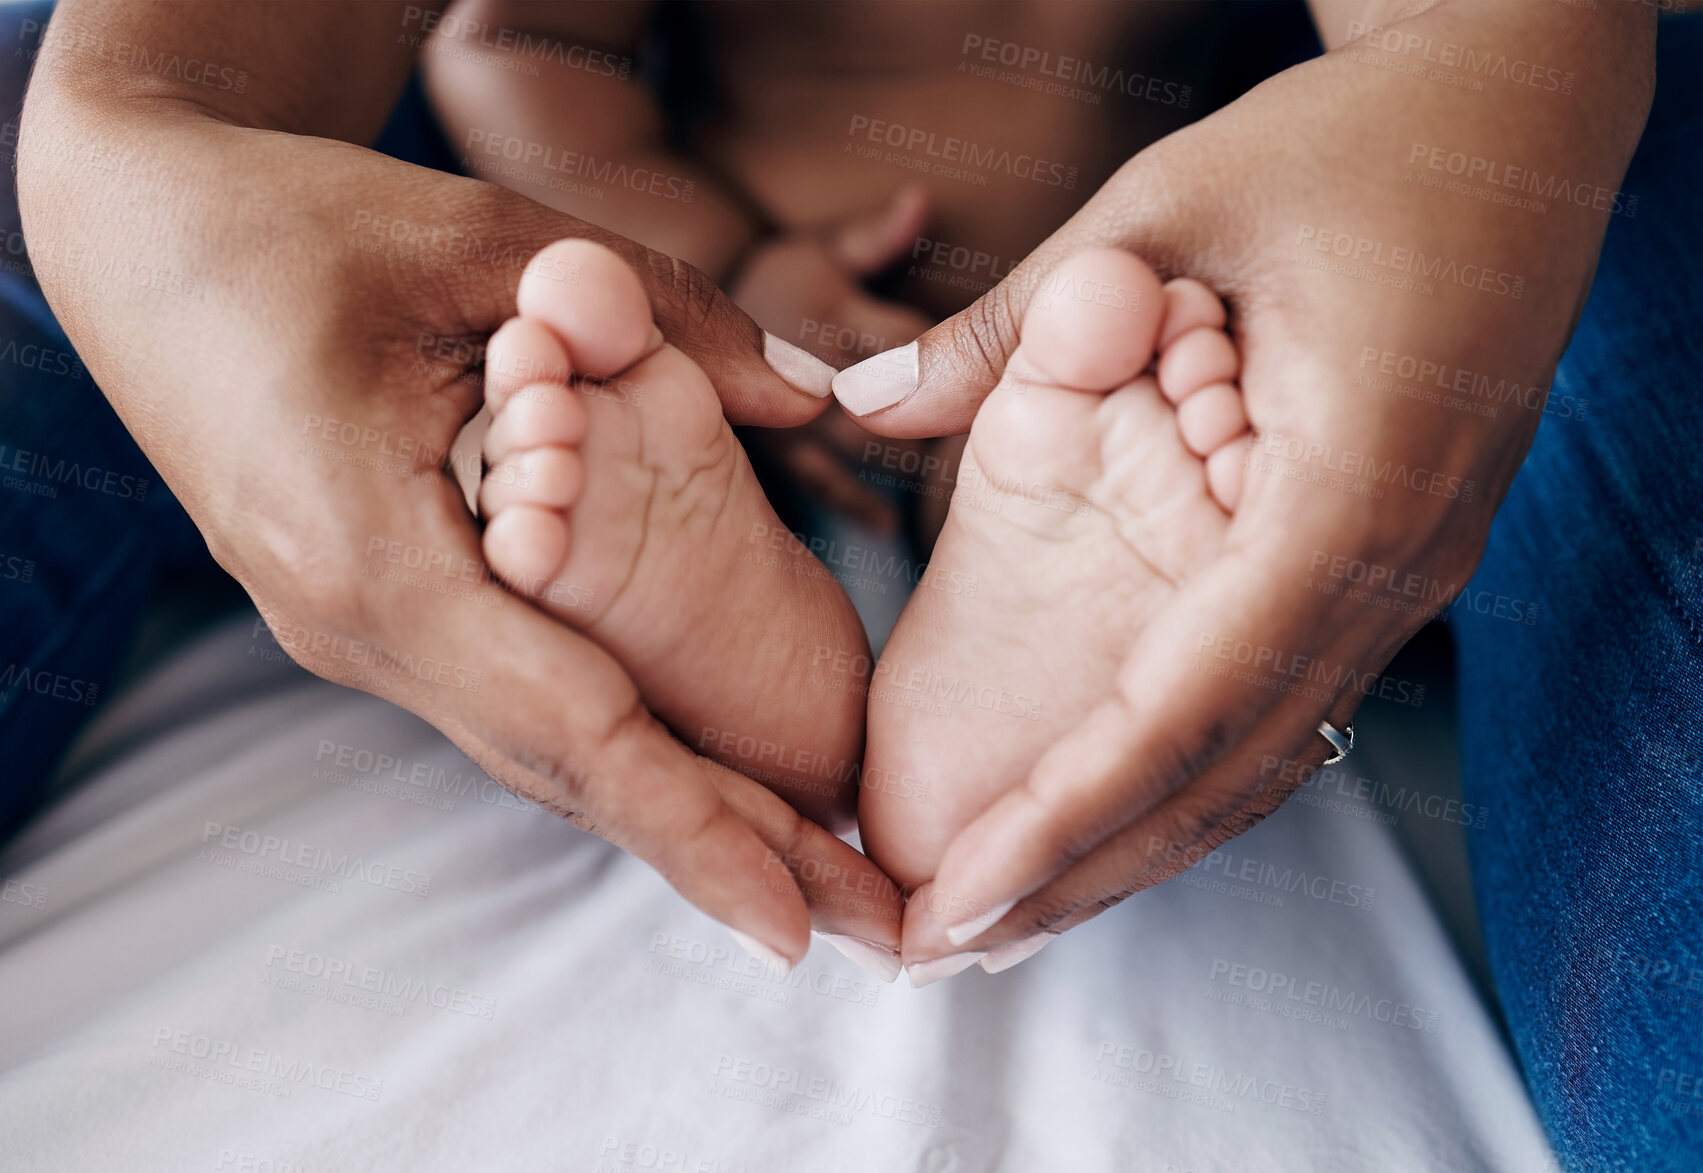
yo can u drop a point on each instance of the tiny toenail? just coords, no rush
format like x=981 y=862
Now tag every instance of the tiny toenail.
x=878 y=383
x=798 y=366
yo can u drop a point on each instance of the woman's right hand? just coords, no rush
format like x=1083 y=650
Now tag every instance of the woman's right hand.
x=298 y=373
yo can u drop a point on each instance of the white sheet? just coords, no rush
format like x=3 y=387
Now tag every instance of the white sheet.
x=511 y=994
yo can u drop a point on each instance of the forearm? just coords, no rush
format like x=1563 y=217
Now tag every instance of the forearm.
x=1502 y=129
x=1582 y=66
x=146 y=137
x=571 y=125
x=317 y=67
x=177 y=242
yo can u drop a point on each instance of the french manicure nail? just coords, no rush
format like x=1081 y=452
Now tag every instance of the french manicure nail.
x=925 y=973
x=878 y=383
x=1006 y=956
x=775 y=963
x=866 y=955
x=976 y=926
x=798 y=366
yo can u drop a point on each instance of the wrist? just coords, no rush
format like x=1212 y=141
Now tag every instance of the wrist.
x=1581 y=64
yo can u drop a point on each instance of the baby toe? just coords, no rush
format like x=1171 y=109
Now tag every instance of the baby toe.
x=538 y=414
x=526 y=545
x=594 y=303
x=1092 y=321
x=1211 y=417
x=549 y=477
x=1226 y=471
x=1197 y=359
x=1189 y=305
x=522 y=351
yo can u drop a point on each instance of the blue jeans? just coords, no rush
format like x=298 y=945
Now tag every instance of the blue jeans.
x=1581 y=731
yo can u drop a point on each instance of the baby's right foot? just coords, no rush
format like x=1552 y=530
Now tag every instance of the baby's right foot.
x=618 y=499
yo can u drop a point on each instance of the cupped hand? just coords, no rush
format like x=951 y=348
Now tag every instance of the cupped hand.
x=303 y=407
x=1397 y=339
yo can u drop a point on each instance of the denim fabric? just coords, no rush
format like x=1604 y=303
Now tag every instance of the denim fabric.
x=85 y=523
x=1582 y=731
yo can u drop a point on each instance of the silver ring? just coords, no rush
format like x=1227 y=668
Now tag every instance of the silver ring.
x=1339 y=741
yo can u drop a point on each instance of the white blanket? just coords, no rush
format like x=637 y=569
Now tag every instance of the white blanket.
x=287 y=927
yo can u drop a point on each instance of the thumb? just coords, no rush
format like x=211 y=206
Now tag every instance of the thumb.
x=933 y=386
x=762 y=380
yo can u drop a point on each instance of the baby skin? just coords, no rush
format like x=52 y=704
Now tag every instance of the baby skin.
x=617 y=499
x=1099 y=475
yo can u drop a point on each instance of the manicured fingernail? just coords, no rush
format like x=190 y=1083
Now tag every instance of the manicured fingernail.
x=775 y=963
x=976 y=926
x=925 y=973
x=878 y=383
x=866 y=955
x=799 y=367
x=1006 y=956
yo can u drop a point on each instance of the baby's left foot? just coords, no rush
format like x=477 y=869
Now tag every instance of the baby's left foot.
x=1088 y=494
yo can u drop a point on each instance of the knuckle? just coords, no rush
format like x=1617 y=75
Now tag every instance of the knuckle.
x=989 y=331
x=607 y=747
x=683 y=295
x=327 y=597
x=1113 y=899
x=557 y=781
x=1045 y=910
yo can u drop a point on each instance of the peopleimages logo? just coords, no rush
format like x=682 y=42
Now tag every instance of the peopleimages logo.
x=71 y=473
x=338 y=977
x=1362 y=467
x=1277 y=664
x=1278 y=878
x=1323 y=996
x=609 y=172
x=179 y=1049
x=1452 y=55
x=924 y=150
x=57 y=685
x=1321 y=782
x=1025 y=59
x=312 y=859
x=452 y=26
x=1475 y=168
x=1357 y=250
x=1119 y=1061
x=823 y=1091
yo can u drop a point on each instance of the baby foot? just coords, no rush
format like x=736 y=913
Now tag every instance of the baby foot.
x=1095 y=481
x=618 y=499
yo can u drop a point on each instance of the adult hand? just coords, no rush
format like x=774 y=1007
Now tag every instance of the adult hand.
x=1397 y=338
x=298 y=365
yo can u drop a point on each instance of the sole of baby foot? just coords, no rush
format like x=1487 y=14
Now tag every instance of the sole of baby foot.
x=617 y=498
